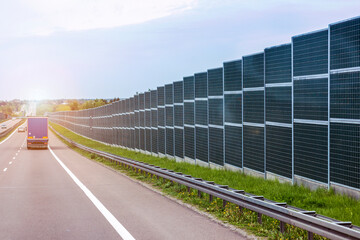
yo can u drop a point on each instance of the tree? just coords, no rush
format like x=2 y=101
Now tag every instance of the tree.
x=74 y=105
x=62 y=107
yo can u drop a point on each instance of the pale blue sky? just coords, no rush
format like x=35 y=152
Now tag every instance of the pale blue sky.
x=113 y=48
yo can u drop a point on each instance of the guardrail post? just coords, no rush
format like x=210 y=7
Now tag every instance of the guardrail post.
x=210 y=196
x=199 y=194
x=259 y=217
x=188 y=189
x=282 y=227
x=224 y=203
x=310 y=236
x=225 y=187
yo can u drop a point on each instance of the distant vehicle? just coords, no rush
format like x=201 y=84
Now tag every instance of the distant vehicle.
x=37 y=132
x=3 y=126
x=21 y=129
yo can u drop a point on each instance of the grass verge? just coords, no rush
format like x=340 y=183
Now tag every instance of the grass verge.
x=322 y=201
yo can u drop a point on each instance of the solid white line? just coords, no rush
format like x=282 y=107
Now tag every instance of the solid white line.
x=5 y=169
x=119 y=228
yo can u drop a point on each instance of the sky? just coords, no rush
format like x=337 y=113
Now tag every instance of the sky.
x=79 y=49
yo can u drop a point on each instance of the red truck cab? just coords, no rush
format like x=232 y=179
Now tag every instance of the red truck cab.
x=37 y=132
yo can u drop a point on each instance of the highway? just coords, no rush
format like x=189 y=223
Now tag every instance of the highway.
x=58 y=194
x=9 y=123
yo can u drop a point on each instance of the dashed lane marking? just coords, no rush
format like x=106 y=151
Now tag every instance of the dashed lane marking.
x=5 y=169
x=10 y=163
x=119 y=228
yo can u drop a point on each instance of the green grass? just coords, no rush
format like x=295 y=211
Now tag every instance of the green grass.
x=322 y=201
x=8 y=134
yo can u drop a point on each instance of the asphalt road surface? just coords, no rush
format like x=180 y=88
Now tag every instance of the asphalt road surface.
x=58 y=194
x=9 y=124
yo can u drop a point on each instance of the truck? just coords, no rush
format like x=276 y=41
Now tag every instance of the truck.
x=38 y=136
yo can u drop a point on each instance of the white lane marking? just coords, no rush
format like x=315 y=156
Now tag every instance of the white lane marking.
x=5 y=169
x=119 y=228
x=10 y=163
x=16 y=154
x=14 y=158
x=19 y=150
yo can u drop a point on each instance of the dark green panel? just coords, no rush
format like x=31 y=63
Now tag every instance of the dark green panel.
x=132 y=145
x=142 y=138
x=136 y=99
x=169 y=96
x=161 y=140
x=161 y=117
x=279 y=150
x=189 y=116
x=148 y=139
x=311 y=99
x=137 y=138
x=161 y=96
x=201 y=112
x=233 y=76
x=178 y=115
x=147 y=118
x=153 y=98
x=345 y=154
x=154 y=140
x=216 y=111
x=216 y=145
x=169 y=111
x=310 y=53
x=201 y=85
x=278 y=104
x=141 y=102
x=310 y=151
x=179 y=143
x=278 y=64
x=254 y=148
x=233 y=108
x=178 y=92
x=189 y=134
x=154 y=117
x=254 y=106
x=170 y=141
x=233 y=145
x=202 y=144
x=215 y=82
x=253 y=70
x=147 y=100
x=345 y=95
x=142 y=119
x=189 y=88
x=345 y=44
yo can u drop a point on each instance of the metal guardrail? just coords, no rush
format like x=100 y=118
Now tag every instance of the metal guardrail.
x=4 y=133
x=307 y=220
